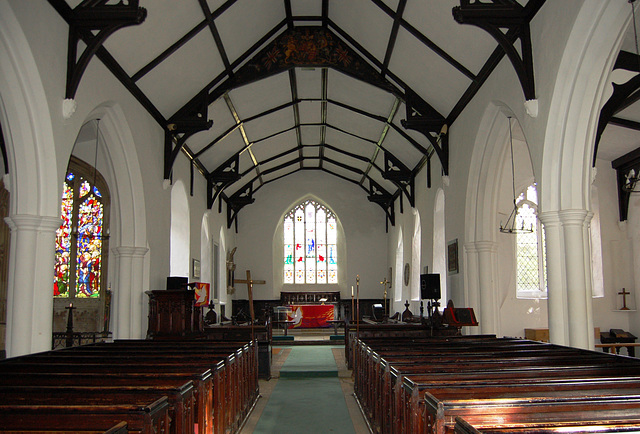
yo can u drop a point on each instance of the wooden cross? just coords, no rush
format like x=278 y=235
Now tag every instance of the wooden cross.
x=624 y=294
x=250 y=284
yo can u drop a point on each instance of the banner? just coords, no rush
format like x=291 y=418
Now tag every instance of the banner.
x=310 y=315
x=202 y=293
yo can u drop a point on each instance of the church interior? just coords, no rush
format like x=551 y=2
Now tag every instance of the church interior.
x=422 y=187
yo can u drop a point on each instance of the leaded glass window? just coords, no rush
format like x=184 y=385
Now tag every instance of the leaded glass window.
x=310 y=238
x=531 y=266
x=81 y=240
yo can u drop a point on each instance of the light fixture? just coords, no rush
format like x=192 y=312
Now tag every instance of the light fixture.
x=510 y=227
x=631 y=179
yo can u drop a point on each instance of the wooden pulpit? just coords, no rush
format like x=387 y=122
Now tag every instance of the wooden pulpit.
x=173 y=312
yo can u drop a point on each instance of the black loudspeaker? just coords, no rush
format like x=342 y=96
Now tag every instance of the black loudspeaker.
x=430 y=286
x=177 y=282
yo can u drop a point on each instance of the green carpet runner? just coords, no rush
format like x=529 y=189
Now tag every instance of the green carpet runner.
x=308 y=397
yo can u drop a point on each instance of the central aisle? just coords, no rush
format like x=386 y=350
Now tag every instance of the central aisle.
x=311 y=395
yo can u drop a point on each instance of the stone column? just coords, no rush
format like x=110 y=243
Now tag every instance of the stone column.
x=556 y=290
x=487 y=252
x=472 y=297
x=573 y=222
x=30 y=284
x=129 y=293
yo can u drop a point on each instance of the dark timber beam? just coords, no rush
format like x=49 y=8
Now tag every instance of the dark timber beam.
x=497 y=15
x=626 y=167
x=622 y=97
x=178 y=130
x=92 y=22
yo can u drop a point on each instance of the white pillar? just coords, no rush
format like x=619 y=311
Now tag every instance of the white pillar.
x=573 y=222
x=30 y=284
x=129 y=292
x=472 y=282
x=556 y=290
x=586 y=236
x=490 y=316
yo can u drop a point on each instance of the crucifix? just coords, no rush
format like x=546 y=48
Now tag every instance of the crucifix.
x=384 y=283
x=624 y=294
x=250 y=284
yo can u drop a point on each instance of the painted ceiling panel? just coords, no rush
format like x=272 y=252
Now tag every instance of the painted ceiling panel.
x=363 y=96
x=174 y=82
x=471 y=45
x=274 y=145
x=134 y=47
x=371 y=33
x=310 y=135
x=246 y=22
x=348 y=143
x=260 y=96
x=428 y=74
x=310 y=112
x=354 y=123
x=265 y=126
x=309 y=83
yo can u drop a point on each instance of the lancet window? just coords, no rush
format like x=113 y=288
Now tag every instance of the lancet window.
x=82 y=238
x=531 y=265
x=310 y=245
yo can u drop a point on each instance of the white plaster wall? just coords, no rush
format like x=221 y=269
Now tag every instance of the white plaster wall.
x=363 y=223
x=47 y=33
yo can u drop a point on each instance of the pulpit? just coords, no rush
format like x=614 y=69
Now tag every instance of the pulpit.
x=173 y=312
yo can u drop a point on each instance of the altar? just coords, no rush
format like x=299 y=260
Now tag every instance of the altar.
x=310 y=315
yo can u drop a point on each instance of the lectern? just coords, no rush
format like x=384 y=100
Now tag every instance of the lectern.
x=173 y=312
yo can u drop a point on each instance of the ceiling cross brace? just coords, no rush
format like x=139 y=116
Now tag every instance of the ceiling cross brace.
x=178 y=130
x=396 y=172
x=626 y=166
x=492 y=17
x=86 y=18
x=623 y=95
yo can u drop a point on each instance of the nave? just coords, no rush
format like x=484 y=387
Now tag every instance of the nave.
x=311 y=391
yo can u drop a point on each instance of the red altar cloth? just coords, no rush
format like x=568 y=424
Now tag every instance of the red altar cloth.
x=310 y=315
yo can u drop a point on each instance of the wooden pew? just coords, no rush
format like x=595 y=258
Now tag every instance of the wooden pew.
x=181 y=398
x=472 y=358
x=463 y=427
x=141 y=417
x=234 y=373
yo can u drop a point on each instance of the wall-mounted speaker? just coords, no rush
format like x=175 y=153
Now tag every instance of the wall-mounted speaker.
x=430 y=286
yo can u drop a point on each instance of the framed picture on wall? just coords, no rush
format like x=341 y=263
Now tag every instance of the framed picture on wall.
x=195 y=268
x=452 y=257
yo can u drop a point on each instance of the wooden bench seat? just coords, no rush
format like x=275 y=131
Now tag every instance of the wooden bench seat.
x=144 y=418
x=181 y=398
x=224 y=396
x=463 y=427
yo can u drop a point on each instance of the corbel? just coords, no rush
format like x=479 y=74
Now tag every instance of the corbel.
x=226 y=174
x=425 y=119
x=497 y=15
x=624 y=95
x=237 y=201
x=396 y=172
x=92 y=22
x=627 y=170
x=178 y=130
x=379 y=195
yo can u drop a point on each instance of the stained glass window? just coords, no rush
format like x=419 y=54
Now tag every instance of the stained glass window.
x=531 y=269
x=310 y=238
x=81 y=238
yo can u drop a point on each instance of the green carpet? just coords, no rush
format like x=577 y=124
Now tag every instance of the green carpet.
x=302 y=402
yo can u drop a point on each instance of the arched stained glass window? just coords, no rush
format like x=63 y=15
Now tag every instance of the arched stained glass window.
x=531 y=266
x=310 y=237
x=82 y=238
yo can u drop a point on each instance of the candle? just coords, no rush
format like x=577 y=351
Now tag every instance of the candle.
x=351 y=290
